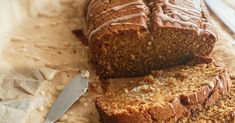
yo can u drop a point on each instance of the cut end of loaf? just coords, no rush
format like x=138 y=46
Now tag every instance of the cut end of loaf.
x=164 y=95
x=131 y=54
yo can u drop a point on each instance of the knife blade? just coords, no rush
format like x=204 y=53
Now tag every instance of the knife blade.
x=71 y=93
x=224 y=12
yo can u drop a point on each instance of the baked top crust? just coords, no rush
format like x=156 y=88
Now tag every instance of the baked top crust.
x=107 y=18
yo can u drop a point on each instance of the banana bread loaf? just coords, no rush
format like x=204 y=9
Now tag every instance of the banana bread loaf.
x=132 y=37
x=164 y=96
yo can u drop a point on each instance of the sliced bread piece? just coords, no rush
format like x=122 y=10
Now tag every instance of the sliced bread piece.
x=164 y=96
x=223 y=111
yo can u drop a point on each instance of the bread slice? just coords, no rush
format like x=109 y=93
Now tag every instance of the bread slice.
x=223 y=111
x=164 y=96
x=133 y=37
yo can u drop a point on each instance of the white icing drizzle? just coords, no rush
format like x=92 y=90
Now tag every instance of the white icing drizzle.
x=201 y=31
x=151 y=3
x=211 y=84
x=184 y=17
x=188 y=99
x=119 y=7
x=185 y=3
x=207 y=23
x=129 y=9
x=139 y=4
x=165 y=17
x=114 y=24
x=220 y=84
x=92 y=9
x=173 y=108
x=123 y=18
x=89 y=30
x=181 y=8
x=185 y=20
x=94 y=2
x=143 y=7
x=93 y=5
x=197 y=4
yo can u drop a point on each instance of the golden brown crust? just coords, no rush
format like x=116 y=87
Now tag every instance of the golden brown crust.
x=133 y=117
x=153 y=114
x=170 y=112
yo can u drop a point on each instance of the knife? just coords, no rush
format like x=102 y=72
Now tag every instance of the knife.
x=71 y=93
x=224 y=12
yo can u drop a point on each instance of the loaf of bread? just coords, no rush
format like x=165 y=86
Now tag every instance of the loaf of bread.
x=164 y=96
x=133 y=37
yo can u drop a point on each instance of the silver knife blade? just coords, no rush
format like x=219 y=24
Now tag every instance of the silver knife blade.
x=224 y=12
x=71 y=93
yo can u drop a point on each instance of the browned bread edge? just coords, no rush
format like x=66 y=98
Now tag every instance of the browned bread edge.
x=177 y=108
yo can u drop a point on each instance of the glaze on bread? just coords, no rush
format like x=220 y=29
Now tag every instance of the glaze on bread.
x=133 y=37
